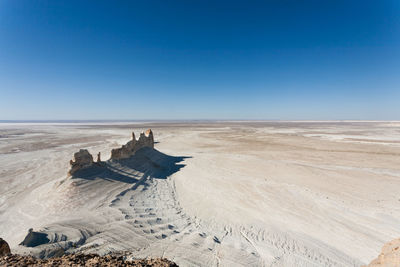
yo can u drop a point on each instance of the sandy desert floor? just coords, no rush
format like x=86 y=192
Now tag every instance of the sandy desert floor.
x=211 y=194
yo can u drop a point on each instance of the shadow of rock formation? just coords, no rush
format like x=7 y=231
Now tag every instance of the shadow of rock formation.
x=135 y=160
x=134 y=163
x=153 y=162
x=146 y=160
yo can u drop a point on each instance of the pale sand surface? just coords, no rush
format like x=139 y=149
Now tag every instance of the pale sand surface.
x=217 y=194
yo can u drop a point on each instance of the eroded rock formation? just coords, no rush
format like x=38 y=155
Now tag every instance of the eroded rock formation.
x=129 y=149
x=82 y=159
x=4 y=248
x=34 y=239
x=150 y=137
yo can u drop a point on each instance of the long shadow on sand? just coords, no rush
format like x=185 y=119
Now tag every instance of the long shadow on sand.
x=147 y=162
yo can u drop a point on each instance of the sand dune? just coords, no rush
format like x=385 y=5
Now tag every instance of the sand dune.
x=215 y=194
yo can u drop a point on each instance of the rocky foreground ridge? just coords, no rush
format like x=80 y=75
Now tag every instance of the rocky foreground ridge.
x=83 y=159
x=91 y=260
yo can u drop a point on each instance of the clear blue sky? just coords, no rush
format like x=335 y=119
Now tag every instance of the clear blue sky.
x=200 y=59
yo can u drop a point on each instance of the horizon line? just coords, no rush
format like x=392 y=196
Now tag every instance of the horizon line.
x=189 y=120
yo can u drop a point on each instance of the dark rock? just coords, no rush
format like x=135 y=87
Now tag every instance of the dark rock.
x=83 y=260
x=4 y=248
x=34 y=239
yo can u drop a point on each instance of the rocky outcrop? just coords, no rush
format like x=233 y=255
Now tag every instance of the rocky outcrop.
x=34 y=239
x=83 y=260
x=82 y=159
x=390 y=255
x=4 y=248
x=129 y=149
x=150 y=138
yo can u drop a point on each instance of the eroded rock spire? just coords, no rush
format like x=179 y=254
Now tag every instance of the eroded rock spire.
x=83 y=159
x=129 y=149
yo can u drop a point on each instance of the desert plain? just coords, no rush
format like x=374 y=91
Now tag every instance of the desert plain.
x=228 y=193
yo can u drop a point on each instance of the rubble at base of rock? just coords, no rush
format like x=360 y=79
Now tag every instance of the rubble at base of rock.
x=83 y=260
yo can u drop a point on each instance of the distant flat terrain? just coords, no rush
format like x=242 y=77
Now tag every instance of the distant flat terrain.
x=210 y=194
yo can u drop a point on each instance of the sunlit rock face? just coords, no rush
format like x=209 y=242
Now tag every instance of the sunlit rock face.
x=82 y=159
x=149 y=138
x=129 y=149
x=390 y=255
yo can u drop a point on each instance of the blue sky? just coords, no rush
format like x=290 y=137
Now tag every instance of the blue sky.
x=285 y=60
